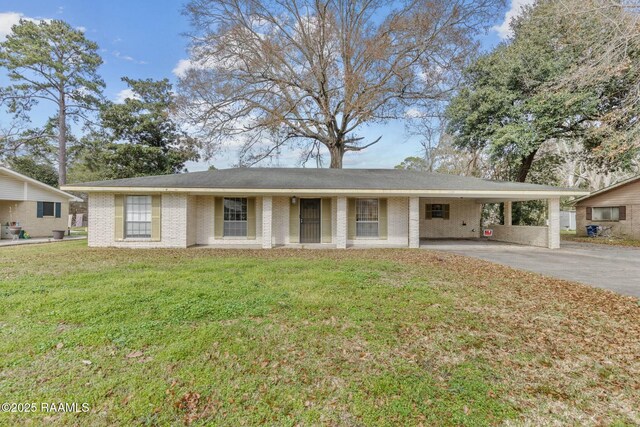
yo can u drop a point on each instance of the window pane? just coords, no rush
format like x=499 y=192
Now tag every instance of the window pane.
x=235 y=228
x=367 y=210
x=47 y=208
x=138 y=216
x=367 y=217
x=605 y=214
x=367 y=229
x=615 y=214
x=235 y=217
x=437 y=211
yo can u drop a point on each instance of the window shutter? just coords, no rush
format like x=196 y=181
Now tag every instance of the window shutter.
x=118 y=203
x=58 y=210
x=40 y=210
x=218 y=218
x=251 y=218
x=445 y=213
x=326 y=220
x=382 y=218
x=294 y=222
x=588 y=212
x=427 y=211
x=156 y=218
x=351 y=219
x=622 y=213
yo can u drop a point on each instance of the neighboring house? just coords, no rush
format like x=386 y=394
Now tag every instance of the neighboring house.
x=567 y=220
x=37 y=207
x=328 y=207
x=616 y=206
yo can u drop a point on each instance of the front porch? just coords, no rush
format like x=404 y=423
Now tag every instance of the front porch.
x=407 y=221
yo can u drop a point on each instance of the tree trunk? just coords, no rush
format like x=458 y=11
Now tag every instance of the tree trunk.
x=337 y=153
x=62 y=140
x=525 y=166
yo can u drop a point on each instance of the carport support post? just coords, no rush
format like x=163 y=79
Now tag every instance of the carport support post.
x=508 y=213
x=414 y=222
x=554 y=223
x=267 y=216
x=341 y=223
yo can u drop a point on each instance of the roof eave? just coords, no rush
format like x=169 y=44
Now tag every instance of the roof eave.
x=71 y=197
x=345 y=192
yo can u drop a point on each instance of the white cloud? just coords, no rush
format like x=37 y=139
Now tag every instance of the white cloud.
x=9 y=19
x=81 y=29
x=125 y=94
x=128 y=58
x=181 y=68
x=504 y=29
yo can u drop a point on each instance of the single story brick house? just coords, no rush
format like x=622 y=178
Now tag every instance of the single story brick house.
x=338 y=208
x=616 y=206
x=37 y=207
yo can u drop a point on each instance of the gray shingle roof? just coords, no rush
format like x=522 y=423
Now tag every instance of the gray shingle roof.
x=321 y=179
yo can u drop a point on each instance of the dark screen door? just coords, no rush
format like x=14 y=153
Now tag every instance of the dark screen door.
x=309 y=220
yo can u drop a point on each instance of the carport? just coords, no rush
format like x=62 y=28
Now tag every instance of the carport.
x=460 y=218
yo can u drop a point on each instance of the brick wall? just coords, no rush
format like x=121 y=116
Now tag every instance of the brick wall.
x=521 y=234
x=280 y=220
x=173 y=220
x=205 y=224
x=460 y=211
x=627 y=228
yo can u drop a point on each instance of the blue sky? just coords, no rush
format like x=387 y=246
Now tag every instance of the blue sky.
x=144 y=39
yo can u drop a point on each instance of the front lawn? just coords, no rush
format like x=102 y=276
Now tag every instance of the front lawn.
x=304 y=337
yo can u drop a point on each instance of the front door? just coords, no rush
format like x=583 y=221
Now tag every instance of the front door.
x=309 y=220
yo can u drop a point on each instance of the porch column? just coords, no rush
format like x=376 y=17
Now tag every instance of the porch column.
x=508 y=213
x=341 y=223
x=414 y=222
x=553 y=227
x=267 y=220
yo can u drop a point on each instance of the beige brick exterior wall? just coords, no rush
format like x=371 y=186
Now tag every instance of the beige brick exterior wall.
x=521 y=234
x=188 y=220
x=25 y=212
x=280 y=220
x=397 y=225
x=341 y=223
x=460 y=211
x=205 y=223
x=174 y=223
x=267 y=222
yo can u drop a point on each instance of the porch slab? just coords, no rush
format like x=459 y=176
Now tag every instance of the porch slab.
x=37 y=240
x=608 y=267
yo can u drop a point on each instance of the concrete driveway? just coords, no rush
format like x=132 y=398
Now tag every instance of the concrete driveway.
x=609 y=267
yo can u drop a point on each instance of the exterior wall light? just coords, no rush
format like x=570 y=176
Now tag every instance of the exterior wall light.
x=294 y=200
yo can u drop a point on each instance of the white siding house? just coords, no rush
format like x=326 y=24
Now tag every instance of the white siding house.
x=38 y=208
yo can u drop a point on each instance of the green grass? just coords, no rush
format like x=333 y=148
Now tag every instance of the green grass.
x=286 y=337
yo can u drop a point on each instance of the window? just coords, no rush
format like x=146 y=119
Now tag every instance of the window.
x=138 y=217
x=606 y=214
x=436 y=210
x=235 y=217
x=48 y=208
x=367 y=217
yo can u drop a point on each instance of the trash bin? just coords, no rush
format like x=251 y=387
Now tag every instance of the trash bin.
x=592 y=230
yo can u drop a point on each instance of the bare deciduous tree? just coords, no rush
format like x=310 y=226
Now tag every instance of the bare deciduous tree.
x=317 y=71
